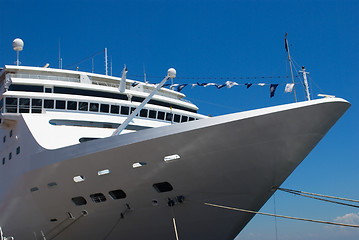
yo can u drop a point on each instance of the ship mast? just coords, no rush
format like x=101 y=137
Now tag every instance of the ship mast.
x=290 y=65
x=306 y=83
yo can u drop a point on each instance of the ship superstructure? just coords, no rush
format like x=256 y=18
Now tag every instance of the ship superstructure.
x=65 y=175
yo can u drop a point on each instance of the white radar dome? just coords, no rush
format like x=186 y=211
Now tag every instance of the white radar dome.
x=18 y=44
x=171 y=73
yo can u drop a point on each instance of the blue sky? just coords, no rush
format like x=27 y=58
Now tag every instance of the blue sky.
x=227 y=39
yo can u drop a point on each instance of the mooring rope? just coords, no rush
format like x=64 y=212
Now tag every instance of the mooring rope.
x=282 y=216
x=316 y=194
x=310 y=195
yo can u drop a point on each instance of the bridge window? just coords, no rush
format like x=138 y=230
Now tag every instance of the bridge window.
x=71 y=105
x=36 y=105
x=104 y=108
x=94 y=107
x=60 y=104
x=11 y=105
x=48 y=103
x=115 y=109
x=184 y=119
x=169 y=117
x=143 y=113
x=152 y=114
x=24 y=105
x=83 y=106
x=161 y=115
x=177 y=118
x=125 y=110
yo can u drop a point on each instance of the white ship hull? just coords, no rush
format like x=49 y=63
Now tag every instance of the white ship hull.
x=232 y=160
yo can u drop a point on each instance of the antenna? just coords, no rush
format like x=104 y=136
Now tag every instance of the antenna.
x=144 y=74
x=18 y=45
x=106 y=61
x=290 y=65
x=60 y=59
x=111 y=65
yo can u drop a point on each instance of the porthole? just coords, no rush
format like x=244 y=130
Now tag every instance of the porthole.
x=163 y=187
x=117 y=194
x=3 y=161
x=10 y=156
x=10 y=133
x=34 y=189
x=78 y=201
x=18 y=150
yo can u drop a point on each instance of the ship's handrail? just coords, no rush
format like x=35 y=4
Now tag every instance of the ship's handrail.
x=44 y=77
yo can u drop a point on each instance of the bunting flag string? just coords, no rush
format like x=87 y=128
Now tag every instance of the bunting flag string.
x=219 y=78
x=229 y=84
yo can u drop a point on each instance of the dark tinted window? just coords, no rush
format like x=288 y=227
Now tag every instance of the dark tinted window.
x=125 y=110
x=11 y=105
x=161 y=115
x=83 y=106
x=71 y=105
x=191 y=118
x=48 y=103
x=169 y=117
x=36 y=105
x=105 y=108
x=184 y=119
x=60 y=104
x=26 y=88
x=143 y=113
x=24 y=105
x=94 y=107
x=177 y=118
x=152 y=114
x=48 y=90
x=115 y=109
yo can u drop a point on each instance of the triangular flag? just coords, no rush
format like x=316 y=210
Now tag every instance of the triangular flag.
x=180 y=87
x=248 y=85
x=289 y=87
x=173 y=86
x=209 y=84
x=135 y=84
x=273 y=87
x=231 y=84
x=221 y=86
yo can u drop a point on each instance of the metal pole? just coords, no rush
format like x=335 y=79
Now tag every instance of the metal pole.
x=306 y=82
x=170 y=74
x=106 y=61
x=290 y=65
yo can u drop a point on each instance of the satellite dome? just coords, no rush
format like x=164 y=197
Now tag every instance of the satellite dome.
x=171 y=73
x=18 y=44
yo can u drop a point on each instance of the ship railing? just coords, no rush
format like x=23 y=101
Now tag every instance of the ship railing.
x=44 y=77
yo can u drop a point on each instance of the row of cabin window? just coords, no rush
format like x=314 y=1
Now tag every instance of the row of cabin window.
x=83 y=92
x=36 y=106
x=10 y=155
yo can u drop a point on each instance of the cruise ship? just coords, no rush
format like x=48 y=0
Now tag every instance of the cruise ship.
x=90 y=156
